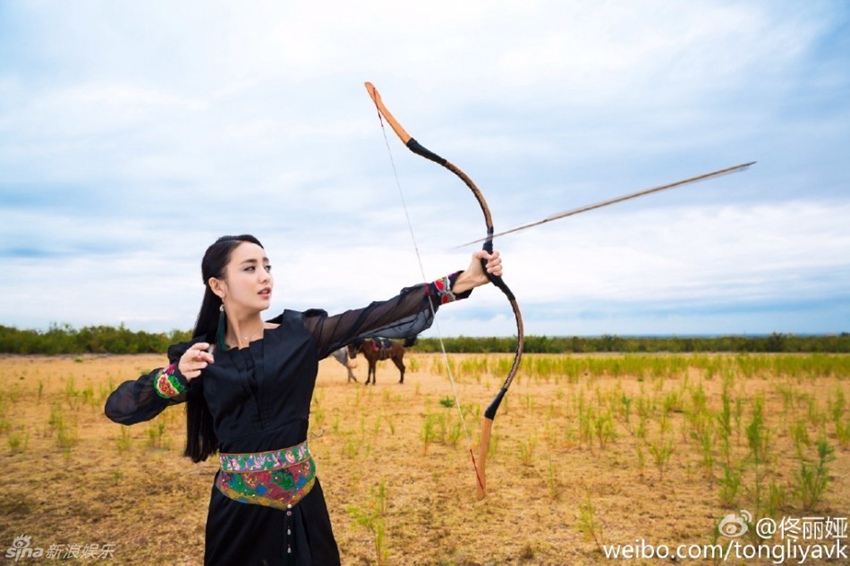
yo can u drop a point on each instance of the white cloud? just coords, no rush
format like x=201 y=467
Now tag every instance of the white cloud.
x=139 y=132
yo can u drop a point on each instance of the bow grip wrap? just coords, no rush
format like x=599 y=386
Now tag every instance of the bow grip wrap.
x=495 y=279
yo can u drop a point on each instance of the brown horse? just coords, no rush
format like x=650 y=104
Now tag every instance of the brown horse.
x=379 y=349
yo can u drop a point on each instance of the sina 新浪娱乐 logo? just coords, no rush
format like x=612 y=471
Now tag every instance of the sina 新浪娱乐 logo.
x=22 y=548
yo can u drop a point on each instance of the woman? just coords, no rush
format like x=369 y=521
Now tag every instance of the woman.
x=248 y=385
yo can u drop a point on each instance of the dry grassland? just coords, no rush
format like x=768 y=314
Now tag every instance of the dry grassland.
x=580 y=458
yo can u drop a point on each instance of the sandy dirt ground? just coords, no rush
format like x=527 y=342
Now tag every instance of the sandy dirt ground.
x=578 y=463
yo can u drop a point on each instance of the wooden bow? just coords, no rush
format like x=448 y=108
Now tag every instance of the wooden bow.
x=490 y=413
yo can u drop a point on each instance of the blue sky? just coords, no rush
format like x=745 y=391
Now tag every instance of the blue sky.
x=133 y=134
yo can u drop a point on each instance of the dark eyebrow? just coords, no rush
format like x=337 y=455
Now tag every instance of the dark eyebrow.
x=265 y=260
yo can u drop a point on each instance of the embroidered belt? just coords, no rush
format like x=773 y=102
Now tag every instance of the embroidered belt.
x=279 y=478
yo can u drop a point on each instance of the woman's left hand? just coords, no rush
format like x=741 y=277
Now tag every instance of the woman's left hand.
x=475 y=275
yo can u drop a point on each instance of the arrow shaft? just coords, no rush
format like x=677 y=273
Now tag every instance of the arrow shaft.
x=630 y=196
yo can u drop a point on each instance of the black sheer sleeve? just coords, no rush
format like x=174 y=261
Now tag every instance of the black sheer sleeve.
x=405 y=315
x=137 y=401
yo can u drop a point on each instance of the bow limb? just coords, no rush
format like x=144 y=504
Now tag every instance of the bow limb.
x=490 y=413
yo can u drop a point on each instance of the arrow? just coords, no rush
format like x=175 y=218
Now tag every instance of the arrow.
x=712 y=175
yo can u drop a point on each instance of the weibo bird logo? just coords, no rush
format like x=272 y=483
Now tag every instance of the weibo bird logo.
x=734 y=526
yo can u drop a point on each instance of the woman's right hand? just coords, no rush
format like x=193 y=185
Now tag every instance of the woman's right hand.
x=195 y=359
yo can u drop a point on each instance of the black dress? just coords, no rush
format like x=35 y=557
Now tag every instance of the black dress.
x=259 y=398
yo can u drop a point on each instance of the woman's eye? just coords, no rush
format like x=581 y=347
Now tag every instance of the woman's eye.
x=269 y=268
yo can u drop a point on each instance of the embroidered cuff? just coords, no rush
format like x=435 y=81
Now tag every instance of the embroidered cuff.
x=443 y=289
x=169 y=382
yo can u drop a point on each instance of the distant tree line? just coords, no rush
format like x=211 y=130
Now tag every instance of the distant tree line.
x=64 y=339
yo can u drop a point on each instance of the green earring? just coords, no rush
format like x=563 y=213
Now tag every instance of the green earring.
x=222 y=328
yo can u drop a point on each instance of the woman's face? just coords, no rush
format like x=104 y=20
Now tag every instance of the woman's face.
x=248 y=282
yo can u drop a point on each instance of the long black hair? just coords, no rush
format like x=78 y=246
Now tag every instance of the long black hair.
x=201 y=440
